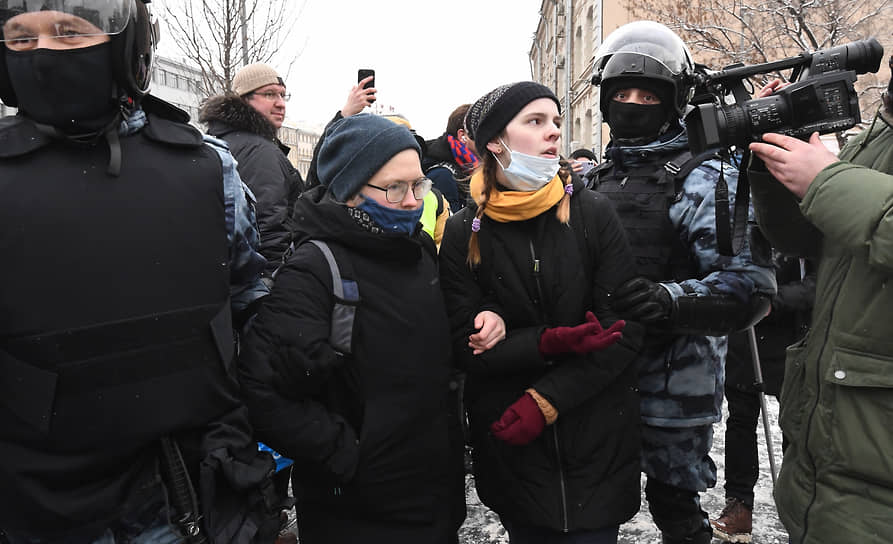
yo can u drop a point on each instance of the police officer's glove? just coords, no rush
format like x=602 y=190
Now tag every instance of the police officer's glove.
x=521 y=422
x=590 y=336
x=642 y=300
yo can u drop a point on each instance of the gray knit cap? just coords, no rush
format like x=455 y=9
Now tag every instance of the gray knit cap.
x=355 y=148
x=492 y=112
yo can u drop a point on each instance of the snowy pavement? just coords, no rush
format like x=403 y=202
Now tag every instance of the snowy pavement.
x=483 y=527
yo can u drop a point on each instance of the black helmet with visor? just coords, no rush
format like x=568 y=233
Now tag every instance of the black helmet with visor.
x=644 y=50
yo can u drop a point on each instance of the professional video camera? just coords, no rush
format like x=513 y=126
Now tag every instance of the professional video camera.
x=821 y=99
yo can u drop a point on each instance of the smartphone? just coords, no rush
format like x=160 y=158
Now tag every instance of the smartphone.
x=363 y=73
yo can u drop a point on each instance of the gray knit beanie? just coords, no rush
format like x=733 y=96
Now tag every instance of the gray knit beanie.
x=355 y=148
x=492 y=112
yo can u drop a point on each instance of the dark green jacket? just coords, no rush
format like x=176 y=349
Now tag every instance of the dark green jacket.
x=836 y=481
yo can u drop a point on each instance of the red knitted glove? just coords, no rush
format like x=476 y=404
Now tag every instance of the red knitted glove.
x=521 y=422
x=589 y=336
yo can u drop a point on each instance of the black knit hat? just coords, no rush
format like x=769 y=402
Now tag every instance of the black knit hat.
x=492 y=112
x=355 y=148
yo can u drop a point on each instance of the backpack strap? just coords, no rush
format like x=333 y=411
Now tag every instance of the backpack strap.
x=347 y=298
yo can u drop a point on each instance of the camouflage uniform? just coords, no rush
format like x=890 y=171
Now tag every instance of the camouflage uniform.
x=681 y=376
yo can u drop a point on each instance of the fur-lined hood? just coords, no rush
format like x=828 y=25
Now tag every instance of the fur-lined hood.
x=226 y=113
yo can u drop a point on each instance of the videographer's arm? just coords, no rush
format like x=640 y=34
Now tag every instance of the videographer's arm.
x=853 y=206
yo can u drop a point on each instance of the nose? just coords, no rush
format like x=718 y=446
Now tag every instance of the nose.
x=47 y=41
x=409 y=201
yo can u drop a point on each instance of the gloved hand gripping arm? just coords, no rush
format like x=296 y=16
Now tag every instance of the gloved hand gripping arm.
x=651 y=303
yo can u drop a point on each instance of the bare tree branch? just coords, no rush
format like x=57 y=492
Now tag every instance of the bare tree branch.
x=209 y=33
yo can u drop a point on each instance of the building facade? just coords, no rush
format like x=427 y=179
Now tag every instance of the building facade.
x=567 y=37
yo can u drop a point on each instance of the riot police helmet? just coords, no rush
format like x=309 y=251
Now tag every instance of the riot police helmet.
x=645 y=53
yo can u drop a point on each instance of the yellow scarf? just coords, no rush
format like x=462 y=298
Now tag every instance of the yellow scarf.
x=505 y=206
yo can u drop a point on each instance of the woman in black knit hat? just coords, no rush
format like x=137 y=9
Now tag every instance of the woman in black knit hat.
x=525 y=271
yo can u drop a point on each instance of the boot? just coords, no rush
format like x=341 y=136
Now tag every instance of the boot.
x=735 y=523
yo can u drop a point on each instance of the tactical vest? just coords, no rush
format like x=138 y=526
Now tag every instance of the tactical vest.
x=642 y=197
x=114 y=318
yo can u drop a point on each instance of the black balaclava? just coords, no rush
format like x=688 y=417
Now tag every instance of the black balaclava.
x=71 y=89
x=638 y=124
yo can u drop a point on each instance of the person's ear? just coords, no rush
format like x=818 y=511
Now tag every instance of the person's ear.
x=462 y=135
x=493 y=146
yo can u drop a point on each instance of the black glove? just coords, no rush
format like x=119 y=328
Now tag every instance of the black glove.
x=642 y=300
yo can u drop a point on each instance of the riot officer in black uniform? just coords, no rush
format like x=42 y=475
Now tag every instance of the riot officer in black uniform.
x=128 y=248
x=688 y=294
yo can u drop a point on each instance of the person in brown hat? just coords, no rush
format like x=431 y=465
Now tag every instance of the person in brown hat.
x=248 y=119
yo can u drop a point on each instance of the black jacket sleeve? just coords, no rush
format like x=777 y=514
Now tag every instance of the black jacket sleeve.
x=260 y=167
x=297 y=314
x=464 y=300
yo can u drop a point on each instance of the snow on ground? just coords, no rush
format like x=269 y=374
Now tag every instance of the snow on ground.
x=482 y=526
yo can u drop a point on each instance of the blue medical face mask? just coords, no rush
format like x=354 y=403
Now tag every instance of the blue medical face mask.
x=391 y=219
x=528 y=172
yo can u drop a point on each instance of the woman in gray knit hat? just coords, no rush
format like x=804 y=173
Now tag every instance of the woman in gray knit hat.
x=525 y=271
x=364 y=420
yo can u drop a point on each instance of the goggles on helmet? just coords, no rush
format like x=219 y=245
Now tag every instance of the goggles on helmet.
x=24 y=21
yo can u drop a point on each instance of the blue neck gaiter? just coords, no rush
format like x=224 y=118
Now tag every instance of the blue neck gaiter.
x=391 y=219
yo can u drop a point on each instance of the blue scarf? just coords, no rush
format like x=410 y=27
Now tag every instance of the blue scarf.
x=391 y=219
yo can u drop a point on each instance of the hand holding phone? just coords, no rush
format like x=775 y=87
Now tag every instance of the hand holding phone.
x=364 y=73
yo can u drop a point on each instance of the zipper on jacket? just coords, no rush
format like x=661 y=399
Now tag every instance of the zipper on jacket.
x=561 y=481
x=537 y=279
x=818 y=382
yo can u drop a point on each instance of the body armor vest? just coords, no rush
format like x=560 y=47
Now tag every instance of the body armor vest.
x=642 y=197
x=114 y=320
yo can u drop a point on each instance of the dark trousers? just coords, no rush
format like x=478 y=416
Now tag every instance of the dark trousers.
x=526 y=534
x=742 y=461
x=676 y=512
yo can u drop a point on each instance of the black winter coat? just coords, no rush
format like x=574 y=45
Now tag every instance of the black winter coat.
x=263 y=166
x=583 y=471
x=368 y=432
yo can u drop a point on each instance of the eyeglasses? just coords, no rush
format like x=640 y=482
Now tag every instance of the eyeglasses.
x=270 y=95
x=396 y=192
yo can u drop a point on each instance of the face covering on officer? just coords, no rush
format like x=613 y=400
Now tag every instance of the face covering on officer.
x=528 y=172
x=69 y=89
x=641 y=122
